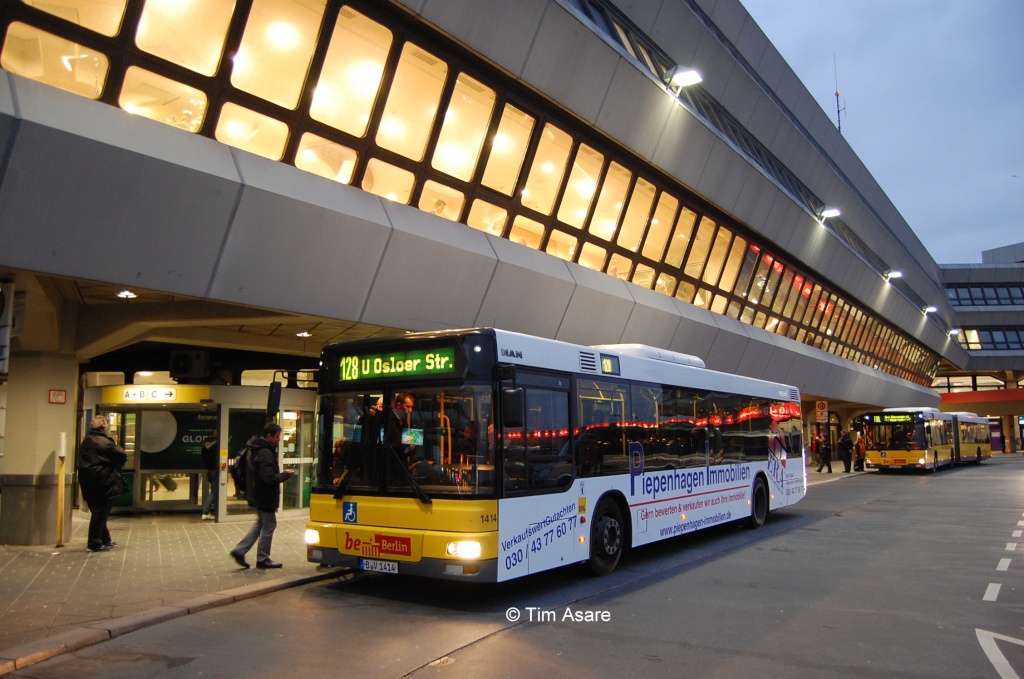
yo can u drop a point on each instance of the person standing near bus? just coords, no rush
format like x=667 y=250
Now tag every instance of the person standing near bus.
x=825 y=453
x=846 y=451
x=99 y=474
x=262 y=479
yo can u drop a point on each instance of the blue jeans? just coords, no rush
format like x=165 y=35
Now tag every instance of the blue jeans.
x=263 y=530
x=211 y=495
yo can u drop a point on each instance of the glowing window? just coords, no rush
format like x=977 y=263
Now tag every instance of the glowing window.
x=487 y=217
x=388 y=181
x=508 y=150
x=190 y=34
x=637 y=213
x=592 y=256
x=276 y=49
x=326 y=158
x=619 y=267
x=561 y=245
x=56 y=61
x=441 y=200
x=660 y=227
x=526 y=232
x=464 y=129
x=548 y=168
x=251 y=131
x=680 y=237
x=102 y=16
x=610 y=203
x=643 y=275
x=412 y=103
x=158 y=98
x=579 y=192
x=350 y=79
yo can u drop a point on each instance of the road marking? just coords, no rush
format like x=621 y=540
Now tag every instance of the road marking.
x=1004 y=565
x=1016 y=534
x=995 y=656
x=1011 y=546
x=991 y=592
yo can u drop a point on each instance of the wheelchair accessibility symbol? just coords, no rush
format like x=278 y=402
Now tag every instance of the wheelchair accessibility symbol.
x=348 y=512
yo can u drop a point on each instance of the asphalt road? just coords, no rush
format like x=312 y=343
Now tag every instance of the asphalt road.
x=871 y=576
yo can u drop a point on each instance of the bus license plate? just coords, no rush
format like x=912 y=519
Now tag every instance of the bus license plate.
x=378 y=566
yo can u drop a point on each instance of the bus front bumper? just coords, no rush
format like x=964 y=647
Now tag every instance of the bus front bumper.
x=483 y=570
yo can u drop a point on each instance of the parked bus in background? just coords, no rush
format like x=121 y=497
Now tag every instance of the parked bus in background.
x=489 y=455
x=973 y=438
x=908 y=438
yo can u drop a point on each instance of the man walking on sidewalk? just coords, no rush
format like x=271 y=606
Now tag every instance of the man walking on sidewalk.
x=262 y=479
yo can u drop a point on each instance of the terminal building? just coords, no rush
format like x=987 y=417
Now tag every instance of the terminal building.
x=196 y=197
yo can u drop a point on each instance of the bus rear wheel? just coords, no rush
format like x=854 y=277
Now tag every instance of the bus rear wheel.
x=606 y=538
x=758 y=505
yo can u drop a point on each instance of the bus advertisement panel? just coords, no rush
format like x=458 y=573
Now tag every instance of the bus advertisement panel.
x=488 y=455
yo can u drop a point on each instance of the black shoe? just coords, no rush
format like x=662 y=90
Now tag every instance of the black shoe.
x=267 y=564
x=110 y=544
x=239 y=559
x=100 y=548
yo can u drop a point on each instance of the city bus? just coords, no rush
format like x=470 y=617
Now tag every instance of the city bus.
x=488 y=455
x=973 y=441
x=909 y=438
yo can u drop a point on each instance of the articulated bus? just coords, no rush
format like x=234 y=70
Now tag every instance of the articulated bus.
x=973 y=438
x=487 y=455
x=923 y=438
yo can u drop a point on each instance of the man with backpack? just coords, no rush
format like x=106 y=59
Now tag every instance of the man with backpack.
x=263 y=476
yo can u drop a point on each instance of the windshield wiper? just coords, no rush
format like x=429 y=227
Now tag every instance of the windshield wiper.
x=339 y=492
x=417 y=489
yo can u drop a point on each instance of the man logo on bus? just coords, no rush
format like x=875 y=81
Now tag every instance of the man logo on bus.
x=348 y=512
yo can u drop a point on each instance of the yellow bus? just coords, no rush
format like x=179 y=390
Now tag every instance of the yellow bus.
x=487 y=455
x=973 y=438
x=908 y=438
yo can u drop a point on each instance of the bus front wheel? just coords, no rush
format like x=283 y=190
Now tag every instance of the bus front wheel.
x=606 y=538
x=758 y=504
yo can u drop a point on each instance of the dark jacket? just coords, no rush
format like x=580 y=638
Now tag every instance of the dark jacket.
x=263 y=475
x=99 y=468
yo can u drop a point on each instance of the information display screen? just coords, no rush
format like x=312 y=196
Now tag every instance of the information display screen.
x=397 y=364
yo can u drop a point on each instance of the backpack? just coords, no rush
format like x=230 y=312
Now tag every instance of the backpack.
x=239 y=470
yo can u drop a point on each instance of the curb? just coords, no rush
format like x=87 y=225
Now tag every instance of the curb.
x=24 y=655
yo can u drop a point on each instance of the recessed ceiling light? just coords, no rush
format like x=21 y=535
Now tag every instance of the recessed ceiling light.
x=127 y=294
x=303 y=334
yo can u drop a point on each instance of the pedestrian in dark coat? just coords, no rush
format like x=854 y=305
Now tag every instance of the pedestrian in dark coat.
x=825 y=452
x=846 y=451
x=262 y=479
x=99 y=475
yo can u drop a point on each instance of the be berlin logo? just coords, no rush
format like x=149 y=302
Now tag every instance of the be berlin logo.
x=536 y=614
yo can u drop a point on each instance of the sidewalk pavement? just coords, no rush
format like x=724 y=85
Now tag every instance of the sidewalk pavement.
x=57 y=600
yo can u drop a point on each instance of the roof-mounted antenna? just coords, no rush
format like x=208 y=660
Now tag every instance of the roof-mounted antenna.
x=839 y=111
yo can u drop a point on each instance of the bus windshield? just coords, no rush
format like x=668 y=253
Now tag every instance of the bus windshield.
x=427 y=441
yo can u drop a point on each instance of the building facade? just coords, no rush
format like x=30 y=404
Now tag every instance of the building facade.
x=261 y=177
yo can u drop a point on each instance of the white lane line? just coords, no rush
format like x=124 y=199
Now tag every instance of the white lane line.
x=991 y=592
x=1016 y=534
x=995 y=656
x=1011 y=546
x=1004 y=565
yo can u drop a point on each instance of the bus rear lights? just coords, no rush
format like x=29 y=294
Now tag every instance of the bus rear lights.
x=312 y=536
x=582 y=539
x=465 y=549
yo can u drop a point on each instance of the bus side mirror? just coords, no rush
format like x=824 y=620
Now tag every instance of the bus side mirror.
x=513 y=407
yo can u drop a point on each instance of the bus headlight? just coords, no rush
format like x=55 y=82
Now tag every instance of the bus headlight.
x=466 y=549
x=312 y=536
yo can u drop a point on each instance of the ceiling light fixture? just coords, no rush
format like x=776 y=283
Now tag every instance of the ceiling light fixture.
x=127 y=294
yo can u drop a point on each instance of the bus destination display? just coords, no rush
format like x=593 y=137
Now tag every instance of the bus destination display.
x=416 y=363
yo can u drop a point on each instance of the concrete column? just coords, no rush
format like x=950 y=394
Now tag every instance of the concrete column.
x=37 y=383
